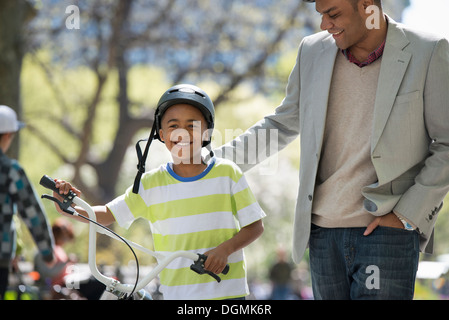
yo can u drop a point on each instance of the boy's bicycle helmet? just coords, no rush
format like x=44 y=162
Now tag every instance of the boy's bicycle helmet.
x=179 y=94
x=185 y=94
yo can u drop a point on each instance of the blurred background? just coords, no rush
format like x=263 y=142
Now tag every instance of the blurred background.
x=86 y=76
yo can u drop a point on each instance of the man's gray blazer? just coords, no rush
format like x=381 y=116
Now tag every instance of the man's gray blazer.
x=410 y=135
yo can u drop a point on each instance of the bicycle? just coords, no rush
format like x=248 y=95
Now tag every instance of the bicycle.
x=114 y=289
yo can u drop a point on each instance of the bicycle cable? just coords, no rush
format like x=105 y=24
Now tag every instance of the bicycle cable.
x=126 y=242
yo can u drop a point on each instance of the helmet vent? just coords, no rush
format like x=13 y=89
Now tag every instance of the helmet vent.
x=188 y=90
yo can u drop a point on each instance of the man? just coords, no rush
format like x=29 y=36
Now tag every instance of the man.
x=370 y=101
x=17 y=192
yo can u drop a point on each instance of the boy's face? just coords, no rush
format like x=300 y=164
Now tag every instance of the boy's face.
x=183 y=129
x=5 y=141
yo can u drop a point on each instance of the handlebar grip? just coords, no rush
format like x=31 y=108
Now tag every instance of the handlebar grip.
x=67 y=201
x=226 y=269
x=198 y=267
x=48 y=183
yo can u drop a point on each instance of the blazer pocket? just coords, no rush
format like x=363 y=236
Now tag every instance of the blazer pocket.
x=406 y=121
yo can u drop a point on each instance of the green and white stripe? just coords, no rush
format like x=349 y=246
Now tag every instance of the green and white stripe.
x=194 y=214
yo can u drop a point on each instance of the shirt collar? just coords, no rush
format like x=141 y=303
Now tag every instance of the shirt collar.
x=209 y=167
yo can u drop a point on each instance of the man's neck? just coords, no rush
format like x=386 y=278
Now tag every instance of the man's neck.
x=374 y=39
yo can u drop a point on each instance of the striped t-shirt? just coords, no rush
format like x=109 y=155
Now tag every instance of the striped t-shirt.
x=193 y=214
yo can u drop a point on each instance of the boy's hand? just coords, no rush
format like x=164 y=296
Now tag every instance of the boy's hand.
x=64 y=188
x=216 y=260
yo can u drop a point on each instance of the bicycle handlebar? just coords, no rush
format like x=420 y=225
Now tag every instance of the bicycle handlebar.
x=94 y=227
x=66 y=203
x=48 y=183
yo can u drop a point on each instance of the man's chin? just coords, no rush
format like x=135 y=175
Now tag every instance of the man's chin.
x=340 y=45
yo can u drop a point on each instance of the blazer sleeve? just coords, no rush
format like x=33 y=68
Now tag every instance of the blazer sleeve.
x=271 y=134
x=422 y=202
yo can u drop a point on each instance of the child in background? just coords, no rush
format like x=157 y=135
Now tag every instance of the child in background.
x=16 y=191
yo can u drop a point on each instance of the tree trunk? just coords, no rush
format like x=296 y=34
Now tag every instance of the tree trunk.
x=14 y=15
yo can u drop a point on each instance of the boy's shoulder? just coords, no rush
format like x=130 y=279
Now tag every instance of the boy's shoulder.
x=154 y=176
x=5 y=161
x=227 y=167
x=226 y=163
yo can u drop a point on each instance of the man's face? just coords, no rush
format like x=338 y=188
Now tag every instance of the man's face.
x=346 y=23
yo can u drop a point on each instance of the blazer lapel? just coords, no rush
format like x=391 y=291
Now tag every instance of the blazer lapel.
x=394 y=65
x=326 y=61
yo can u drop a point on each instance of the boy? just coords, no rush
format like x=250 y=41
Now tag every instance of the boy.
x=16 y=191
x=191 y=204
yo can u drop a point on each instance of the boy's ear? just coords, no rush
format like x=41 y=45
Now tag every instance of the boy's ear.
x=7 y=135
x=206 y=135
x=161 y=135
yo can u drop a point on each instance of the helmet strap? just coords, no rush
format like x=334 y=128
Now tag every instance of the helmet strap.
x=142 y=158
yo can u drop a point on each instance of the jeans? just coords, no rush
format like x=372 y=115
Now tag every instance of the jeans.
x=345 y=264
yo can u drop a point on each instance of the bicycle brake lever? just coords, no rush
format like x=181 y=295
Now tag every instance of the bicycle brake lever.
x=198 y=267
x=65 y=206
x=213 y=275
